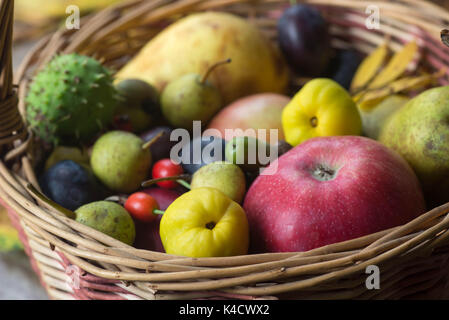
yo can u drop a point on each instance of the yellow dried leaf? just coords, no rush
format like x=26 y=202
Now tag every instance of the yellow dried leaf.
x=396 y=66
x=371 y=97
x=370 y=104
x=357 y=97
x=369 y=67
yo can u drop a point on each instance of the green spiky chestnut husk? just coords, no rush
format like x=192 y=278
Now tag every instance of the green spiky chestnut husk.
x=71 y=100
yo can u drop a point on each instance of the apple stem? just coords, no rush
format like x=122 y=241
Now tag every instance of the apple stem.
x=160 y=212
x=212 y=68
x=148 y=144
x=324 y=173
x=181 y=177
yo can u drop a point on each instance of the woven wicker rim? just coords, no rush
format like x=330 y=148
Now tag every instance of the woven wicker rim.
x=114 y=35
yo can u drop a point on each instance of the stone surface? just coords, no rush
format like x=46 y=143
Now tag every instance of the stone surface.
x=17 y=280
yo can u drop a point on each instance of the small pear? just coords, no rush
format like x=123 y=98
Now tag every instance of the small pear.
x=191 y=98
x=244 y=152
x=250 y=153
x=224 y=176
x=121 y=161
x=109 y=218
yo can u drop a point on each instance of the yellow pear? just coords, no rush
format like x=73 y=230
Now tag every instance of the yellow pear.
x=194 y=43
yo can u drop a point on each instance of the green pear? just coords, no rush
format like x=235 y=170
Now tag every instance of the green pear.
x=121 y=161
x=224 y=176
x=252 y=154
x=419 y=131
x=374 y=118
x=191 y=98
x=108 y=217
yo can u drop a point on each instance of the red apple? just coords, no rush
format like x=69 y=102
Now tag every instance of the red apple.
x=259 y=111
x=147 y=234
x=328 y=190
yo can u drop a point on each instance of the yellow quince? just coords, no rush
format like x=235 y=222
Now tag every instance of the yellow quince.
x=321 y=108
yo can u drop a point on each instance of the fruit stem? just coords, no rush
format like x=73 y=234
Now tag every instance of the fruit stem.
x=324 y=173
x=212 y=68
x=184 y=184
x=181 y=177
x=68 y=213
x=160 y=212
x=148 y=144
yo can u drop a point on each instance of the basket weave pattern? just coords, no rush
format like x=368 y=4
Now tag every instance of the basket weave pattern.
x=413 y=258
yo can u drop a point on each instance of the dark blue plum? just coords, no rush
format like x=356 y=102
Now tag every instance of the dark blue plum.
x=304 y=40
x=70 y=185
x=210 y=149
x=344 y=66
x=161 y=148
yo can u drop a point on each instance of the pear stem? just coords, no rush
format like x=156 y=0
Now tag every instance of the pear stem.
x=184 y=184
x=212 y=68
x=181 y=177
x=148 y=144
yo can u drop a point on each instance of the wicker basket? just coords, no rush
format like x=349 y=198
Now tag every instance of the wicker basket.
x=413 y=258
